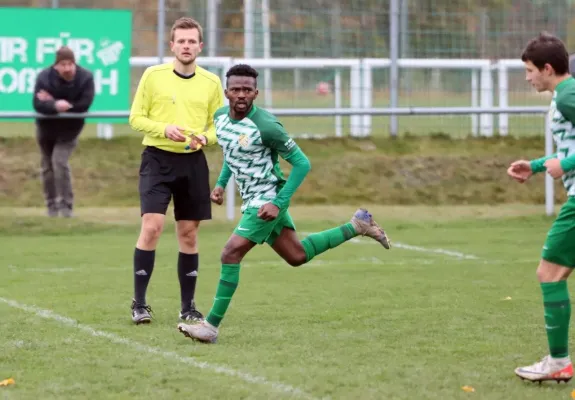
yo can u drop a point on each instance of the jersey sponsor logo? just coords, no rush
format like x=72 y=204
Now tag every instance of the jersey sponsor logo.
x=243 y=140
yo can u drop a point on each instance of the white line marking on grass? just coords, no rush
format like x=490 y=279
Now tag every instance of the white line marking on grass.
x=47 y=314
x=436 y=251
x=51 y=270
x=414 y=248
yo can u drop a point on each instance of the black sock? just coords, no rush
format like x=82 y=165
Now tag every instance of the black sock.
x=143 y=267
x=188 y=275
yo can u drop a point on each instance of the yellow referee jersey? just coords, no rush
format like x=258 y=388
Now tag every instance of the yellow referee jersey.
x=165 y=98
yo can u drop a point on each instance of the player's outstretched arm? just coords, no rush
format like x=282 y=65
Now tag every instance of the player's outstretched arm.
x=139 y=120
x=520 y=170
x=538 y=165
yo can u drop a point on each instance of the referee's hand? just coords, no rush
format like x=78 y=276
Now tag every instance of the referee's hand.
x=174 y=132
x=197 y=141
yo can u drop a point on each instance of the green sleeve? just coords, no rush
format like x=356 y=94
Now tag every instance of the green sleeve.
x=568 y=164
x=275 y=137
x=225 y=175
x=300 y=168
x=537 y=164
x=566 y=104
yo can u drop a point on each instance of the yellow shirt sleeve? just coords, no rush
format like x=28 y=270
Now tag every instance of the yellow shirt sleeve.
x=216 y=102
x=140 y=110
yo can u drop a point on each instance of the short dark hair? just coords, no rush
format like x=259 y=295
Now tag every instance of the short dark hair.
x=187 y=23
x=242 y=70
x=547 y=49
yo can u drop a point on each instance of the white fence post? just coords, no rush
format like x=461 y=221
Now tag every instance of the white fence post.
x=475 y=93
x=503 y=83
x=486 y=100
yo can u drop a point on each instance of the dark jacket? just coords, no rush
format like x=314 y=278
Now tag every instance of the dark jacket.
x=79 y=92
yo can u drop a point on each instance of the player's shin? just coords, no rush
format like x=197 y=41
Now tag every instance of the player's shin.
x=187 y=275
x=143 y=267
x=319 y=242
x=229 y=280
x=557 y=308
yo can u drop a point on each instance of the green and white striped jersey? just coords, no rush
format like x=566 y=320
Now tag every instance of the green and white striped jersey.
x=562 y=113
x=251 y=148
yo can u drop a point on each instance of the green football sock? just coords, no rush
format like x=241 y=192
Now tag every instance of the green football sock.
x=229 y=279
x=557 y=315
x=317 y=243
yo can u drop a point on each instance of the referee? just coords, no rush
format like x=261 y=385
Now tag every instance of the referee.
x=174 y=107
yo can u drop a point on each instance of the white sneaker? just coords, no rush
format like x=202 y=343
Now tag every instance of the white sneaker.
x=203 y=332
x=548 y=369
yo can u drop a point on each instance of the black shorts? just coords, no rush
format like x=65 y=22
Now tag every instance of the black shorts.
x=185 y=176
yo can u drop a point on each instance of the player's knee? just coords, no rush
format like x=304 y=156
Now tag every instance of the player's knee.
x=231 y=255
x=151 y=231
x=187 y=232
x=552 y=272
x=188 y=238
x=297 y=259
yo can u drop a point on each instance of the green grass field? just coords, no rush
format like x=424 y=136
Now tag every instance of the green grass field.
x=454 y=125
x=455 y=303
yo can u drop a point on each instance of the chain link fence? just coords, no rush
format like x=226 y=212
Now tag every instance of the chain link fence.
x=458 y=29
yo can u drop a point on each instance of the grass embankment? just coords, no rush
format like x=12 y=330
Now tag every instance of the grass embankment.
x=410 y=170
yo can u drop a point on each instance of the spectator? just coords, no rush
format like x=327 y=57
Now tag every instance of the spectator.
x=62 y=87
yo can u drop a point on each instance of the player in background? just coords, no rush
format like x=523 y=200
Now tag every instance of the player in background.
x=174 y=107
x=547 y=69
x=252 y=140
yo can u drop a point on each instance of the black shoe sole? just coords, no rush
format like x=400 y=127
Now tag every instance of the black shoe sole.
x=540 y=381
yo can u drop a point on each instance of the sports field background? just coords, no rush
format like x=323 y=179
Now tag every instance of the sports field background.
x=447 y=313
x=455 y=303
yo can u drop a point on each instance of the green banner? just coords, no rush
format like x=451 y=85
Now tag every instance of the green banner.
x=100 y=39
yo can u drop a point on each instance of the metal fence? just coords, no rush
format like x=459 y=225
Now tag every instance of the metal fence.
x=360 y=29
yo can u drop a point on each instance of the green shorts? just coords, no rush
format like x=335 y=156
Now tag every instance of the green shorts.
x=259 y=231
x=559 y=246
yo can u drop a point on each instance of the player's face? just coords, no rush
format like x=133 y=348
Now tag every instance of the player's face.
x=241 y=92
x=66 y=69
x=539 y=79
x=186 y=45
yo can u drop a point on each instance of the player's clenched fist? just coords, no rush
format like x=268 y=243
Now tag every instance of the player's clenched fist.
x=268 y=212
x=217 y=195
x=520 y=170
x=174 y=133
